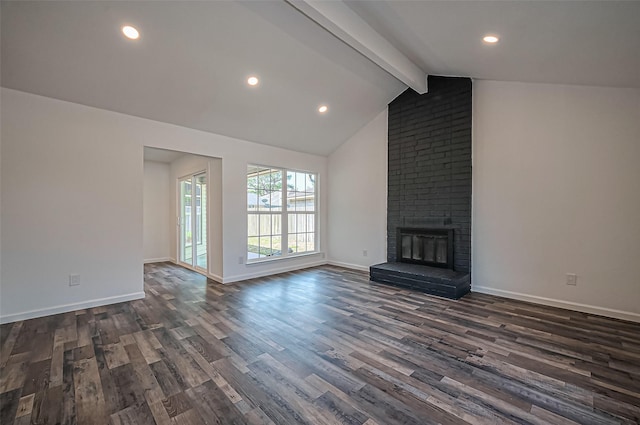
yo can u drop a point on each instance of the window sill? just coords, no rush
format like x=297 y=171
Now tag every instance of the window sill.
x=288 y=257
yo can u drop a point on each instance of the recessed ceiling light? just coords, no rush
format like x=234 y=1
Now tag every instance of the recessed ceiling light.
x=323 y=108
x=130 y=32
x=491 y=39
x=253 y=81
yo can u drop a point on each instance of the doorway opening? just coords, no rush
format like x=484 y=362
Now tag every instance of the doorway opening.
x=182 y=214
x=192 y=229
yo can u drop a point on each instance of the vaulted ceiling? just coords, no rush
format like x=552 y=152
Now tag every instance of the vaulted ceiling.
x=191 y=63
x=563 y=42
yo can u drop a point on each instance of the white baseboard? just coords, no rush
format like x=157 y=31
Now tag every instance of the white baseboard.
x=159 y=260
x=584 y=308
x=269 y=272
x=348 y=265
x=215 y=277
x=32 y=314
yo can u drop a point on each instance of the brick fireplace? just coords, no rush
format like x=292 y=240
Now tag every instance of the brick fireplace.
x=429 y=189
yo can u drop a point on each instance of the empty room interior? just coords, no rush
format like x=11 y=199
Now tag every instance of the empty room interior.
x=319 y=212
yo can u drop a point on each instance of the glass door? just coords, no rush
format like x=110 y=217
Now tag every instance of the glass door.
x=192 y=220
x=200 y=221
x=185 y=221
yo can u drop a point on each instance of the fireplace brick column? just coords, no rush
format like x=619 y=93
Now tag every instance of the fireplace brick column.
x=430 y=163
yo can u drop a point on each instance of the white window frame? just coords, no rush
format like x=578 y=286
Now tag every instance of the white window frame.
x=284 y=214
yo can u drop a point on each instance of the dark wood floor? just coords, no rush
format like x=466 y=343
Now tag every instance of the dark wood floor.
x=319 y=346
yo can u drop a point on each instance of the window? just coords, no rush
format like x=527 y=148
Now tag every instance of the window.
x=281 y=212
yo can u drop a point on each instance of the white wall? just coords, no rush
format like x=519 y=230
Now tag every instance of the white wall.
x=72 y=201
x=358 y=198
x=216 y=210
x=72 y=204
x=556 y=190
x=1 y=133
x=156 y=212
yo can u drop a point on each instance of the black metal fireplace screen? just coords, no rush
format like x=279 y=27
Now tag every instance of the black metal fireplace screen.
x=430 y=247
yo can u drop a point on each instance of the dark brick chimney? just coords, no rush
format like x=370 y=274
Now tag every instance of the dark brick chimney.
x=430 y=164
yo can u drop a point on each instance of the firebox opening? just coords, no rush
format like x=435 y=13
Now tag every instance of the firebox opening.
x=430 y=247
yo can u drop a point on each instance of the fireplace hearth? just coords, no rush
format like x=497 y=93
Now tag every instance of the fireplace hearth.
x=424 y=262
x=431 y=280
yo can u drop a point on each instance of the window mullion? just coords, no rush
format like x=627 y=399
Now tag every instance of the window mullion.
x=285 y=216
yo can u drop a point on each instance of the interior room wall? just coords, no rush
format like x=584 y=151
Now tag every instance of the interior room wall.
x=156 y=218
x=72 y=202
x=555 y=191
x=0 y=196
x=358 y=197
x=216 y=252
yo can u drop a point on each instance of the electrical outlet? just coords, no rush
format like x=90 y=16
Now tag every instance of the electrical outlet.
x=364 y=253
x=572 y=279
x=74 y=279
x=240 y=260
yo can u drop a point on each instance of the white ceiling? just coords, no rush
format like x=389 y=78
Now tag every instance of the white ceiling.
x=162 y=155
x=190 y=67
x=192 y=60
x=564 y=42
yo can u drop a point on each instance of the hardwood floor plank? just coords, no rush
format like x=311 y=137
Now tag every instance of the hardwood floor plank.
x=213 y=406
x=47 y=406
x=165 y=378
x=280 y=372
x=317 y=346
x=137 y=414
x=57 y=358
x=108 y=331
x=550 y=417
x=176 y=404
x=175 y=355
x=109 y=389
x=89 y=396
x=115 y=355
x=206 y=350
x=338 y=410
x=159 y=413
x=37 y=378
x=25 y=406
x=146 y=378
x=215 y=376
x=68 y=390
x=313 y=363
x=385 y=409
x=128 y=390
x=625 y=411
x=9 y=402
x=257 y=394
x=258 y=417
x=12 y=377
x=9 y=340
